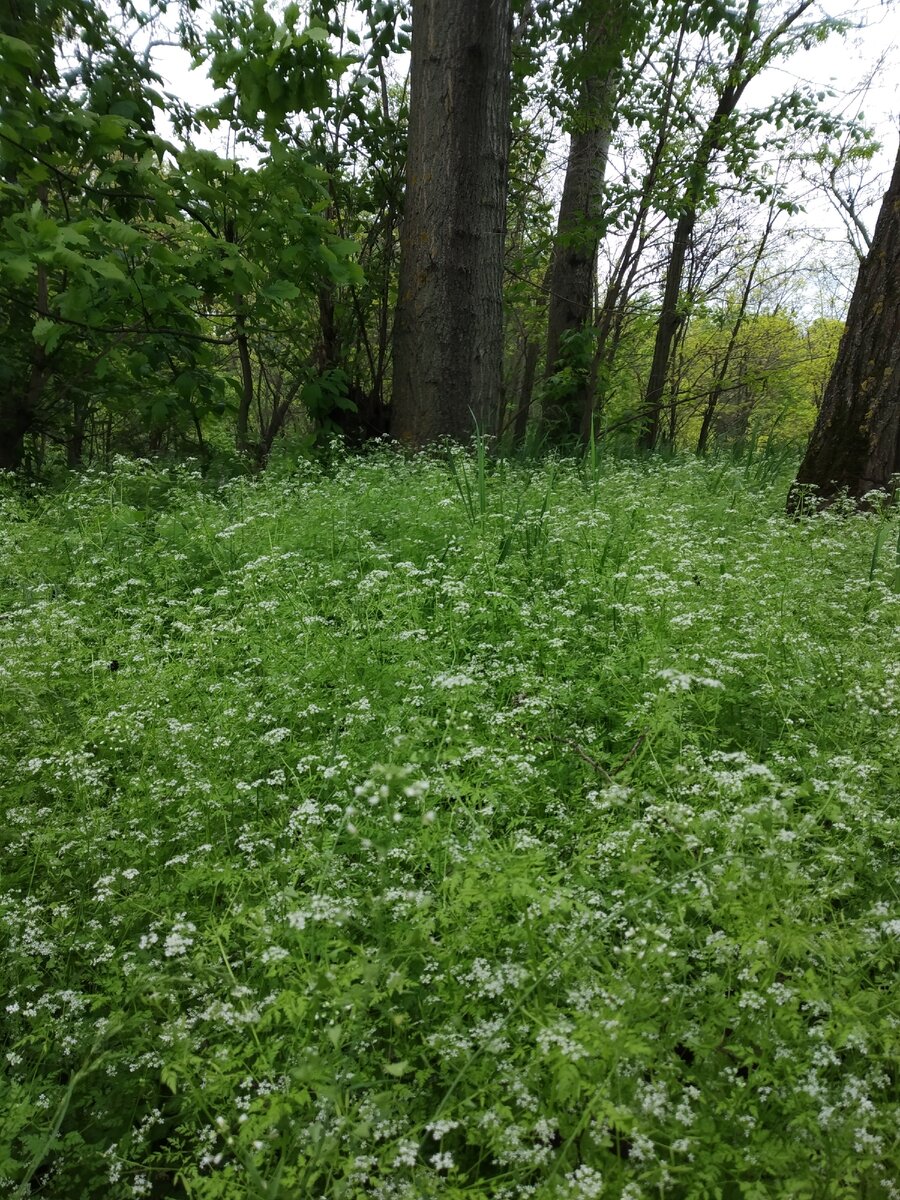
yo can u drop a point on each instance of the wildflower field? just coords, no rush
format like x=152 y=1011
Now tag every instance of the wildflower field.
x=437 y=828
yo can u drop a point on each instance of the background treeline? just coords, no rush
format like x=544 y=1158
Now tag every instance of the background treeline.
x=159 y=296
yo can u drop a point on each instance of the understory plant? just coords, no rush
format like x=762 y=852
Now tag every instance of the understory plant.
x=368 y=832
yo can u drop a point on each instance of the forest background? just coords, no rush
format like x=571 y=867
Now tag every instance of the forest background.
x=159 y=294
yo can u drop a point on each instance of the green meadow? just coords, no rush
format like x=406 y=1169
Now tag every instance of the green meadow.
x=439 y=827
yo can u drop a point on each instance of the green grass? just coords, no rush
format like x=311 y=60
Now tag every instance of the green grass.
x=447 y=828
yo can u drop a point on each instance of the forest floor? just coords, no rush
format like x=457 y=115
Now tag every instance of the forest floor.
x=432 y=828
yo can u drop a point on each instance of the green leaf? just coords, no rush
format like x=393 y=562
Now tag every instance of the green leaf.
x=110 y=127
x=17 y=268
x=47 y=333
x=15 y=50
x=184 y=384
x=344 y=246
x=280 y=289
x=121 y=234
x=398 y=1068
x=108 y=270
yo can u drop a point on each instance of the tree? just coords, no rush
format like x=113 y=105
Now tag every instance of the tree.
x=82 y=278
x=137 y=276
x=751 y=51
x=737 y=321
x=448 y=335
x=573 y=265
x=855 y=445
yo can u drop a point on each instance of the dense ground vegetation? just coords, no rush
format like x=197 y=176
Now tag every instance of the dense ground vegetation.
x=410 y=828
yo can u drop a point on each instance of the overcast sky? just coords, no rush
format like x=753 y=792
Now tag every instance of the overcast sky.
x=842 y=65
x=844 y=62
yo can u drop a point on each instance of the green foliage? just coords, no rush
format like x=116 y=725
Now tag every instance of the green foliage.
x=576 y=355
x=272 y=69
x=130 y=267
x=368 y=835
x=773 y=387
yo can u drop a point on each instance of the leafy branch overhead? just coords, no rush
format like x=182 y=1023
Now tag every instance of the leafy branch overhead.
x=111 y=231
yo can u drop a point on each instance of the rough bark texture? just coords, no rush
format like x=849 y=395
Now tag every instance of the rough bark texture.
x=448 y=336
x=855 y=445
x=574 y=263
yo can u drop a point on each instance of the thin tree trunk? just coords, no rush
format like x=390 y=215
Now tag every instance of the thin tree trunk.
x=674 y=387
x=671 y=316
x=275 y=424
x=448 y=334
x=76 y=435
x=529 y=370
x=37 y=376
x=242 y=434
x=722 y=374
x=610 y=318
x=670 y=319
x=242 y=423
x=745 y=66
x=855 y=445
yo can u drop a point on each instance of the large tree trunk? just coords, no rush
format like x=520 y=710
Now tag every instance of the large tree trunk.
x=448 y=336
x=855 y=445
x=573 y=266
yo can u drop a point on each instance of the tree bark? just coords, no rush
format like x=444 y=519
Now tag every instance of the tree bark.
x=448 y=335
x=529 y=369
x=573 y=269
x=855 y=445
x=242 y=426
x=15 y=424
x=573 y=266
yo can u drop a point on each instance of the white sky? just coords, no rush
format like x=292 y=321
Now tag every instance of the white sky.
x=844 y=63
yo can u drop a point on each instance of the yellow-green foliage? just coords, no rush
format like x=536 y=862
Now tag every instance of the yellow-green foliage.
x=776 y=373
